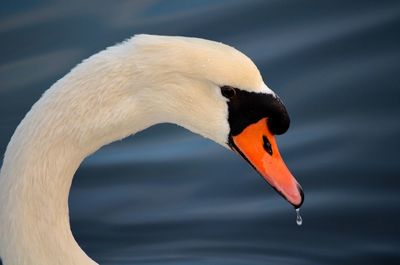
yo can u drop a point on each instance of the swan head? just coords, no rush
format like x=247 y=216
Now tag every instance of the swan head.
x=214 y=90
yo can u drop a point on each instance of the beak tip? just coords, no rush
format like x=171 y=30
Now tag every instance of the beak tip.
x=301 y=192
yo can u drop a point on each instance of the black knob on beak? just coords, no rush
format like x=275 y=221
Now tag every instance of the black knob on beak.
x=279 y=121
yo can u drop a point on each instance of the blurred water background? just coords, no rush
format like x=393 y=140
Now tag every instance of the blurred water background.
x=167 y=196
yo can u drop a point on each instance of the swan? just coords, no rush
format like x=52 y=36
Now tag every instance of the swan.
x=209 y=88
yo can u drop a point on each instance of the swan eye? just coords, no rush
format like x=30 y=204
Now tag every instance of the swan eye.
x=228 y=91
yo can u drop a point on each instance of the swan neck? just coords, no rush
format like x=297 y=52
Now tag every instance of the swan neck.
x=35 y=184
x=73 y=119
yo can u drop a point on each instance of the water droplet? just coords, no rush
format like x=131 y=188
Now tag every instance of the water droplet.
x=299 y=220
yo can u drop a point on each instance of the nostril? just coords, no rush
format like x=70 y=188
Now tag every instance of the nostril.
x=267 y=145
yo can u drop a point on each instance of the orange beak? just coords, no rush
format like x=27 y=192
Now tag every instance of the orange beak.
x=258 y=146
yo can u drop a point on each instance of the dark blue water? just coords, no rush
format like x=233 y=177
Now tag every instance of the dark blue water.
x=167 y=196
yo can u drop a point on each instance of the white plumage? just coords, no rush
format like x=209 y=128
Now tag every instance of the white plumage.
x=124 y=89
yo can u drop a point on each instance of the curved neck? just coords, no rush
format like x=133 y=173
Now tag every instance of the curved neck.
x=117 y=92
x=71 y=120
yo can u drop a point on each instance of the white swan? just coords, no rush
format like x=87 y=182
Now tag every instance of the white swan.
x=207 y=87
